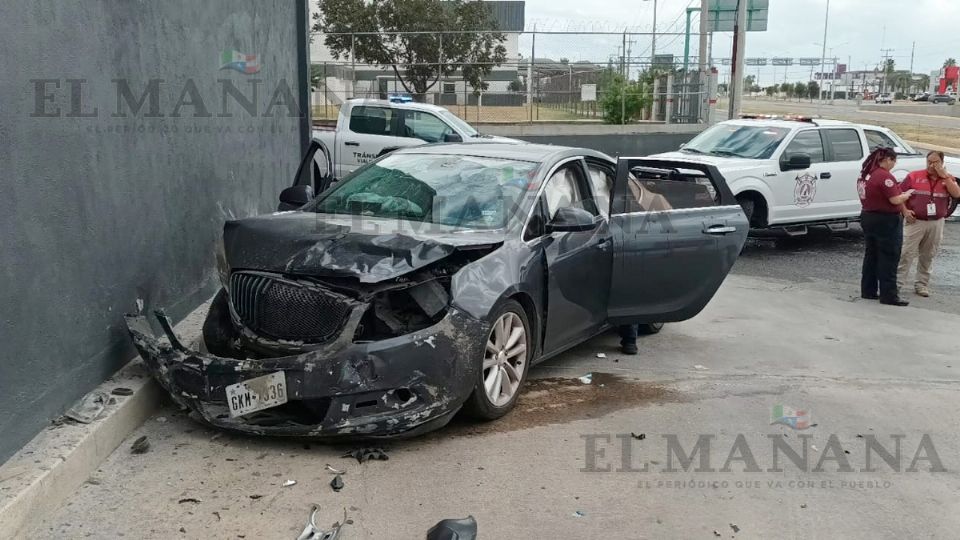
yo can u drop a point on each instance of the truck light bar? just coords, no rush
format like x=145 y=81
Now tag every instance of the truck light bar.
x=789 y=117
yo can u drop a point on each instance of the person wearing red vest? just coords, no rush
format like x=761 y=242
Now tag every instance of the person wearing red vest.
x=881 y=199
x=924 y=213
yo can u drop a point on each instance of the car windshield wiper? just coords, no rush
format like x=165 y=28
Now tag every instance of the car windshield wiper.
x=692 y=150
x=727 y=153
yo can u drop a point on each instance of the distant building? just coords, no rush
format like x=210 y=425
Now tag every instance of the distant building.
x=341 y=79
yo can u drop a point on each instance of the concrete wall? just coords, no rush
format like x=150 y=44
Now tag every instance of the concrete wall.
x=628 y=140
x=100 y=207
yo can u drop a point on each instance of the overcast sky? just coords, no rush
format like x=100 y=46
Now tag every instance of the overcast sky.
x=856 y=31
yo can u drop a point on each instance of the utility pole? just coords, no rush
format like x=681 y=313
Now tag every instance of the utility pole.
x=704 y=16
x=883 y=70
x=630 y=43
x=913 y=49
x=823 y=56
x=736 y=62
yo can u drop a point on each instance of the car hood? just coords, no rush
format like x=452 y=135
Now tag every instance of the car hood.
x=373 y=250
x=722 y=163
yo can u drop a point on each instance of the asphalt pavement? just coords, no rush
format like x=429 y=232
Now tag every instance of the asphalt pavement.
x=830 y=262
x=786 y=354
x=847 y=110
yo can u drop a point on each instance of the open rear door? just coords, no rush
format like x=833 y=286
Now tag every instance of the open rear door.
x=677 y=230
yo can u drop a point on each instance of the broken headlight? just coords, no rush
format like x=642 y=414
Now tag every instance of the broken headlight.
x=398 y=312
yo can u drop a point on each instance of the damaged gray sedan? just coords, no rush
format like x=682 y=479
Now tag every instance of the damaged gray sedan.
x=432 y=279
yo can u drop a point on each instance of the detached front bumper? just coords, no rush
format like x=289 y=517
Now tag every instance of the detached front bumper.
x=400 y=386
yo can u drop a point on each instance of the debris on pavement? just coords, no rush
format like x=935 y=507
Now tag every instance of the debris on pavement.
x=190 y=500
x=334 y=471
x=289 y=483
x=601 y=355
x=122 y=391
x=587 y=379
x=162 y=419
x=367 y=454
x=814 y=447
x=312 y=532
x=700 y=367
x=454 y=529
x=716 y=533
x=638 y=436
x=578 y=513
x=804 y=505
x=140 y=446
x=255 y=496
x=337 y=483
x=88 y=408
x=735 y=528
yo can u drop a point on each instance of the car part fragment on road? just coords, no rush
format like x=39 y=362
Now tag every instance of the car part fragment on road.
x=587 y=379
x=366 y=454
x=454 y=529
x=334 y=471
x=89 y=408
x=122 y=391
x=312 y=532
x=337 y=483
x=289 y=483
x=638 y=436
x=140 y=446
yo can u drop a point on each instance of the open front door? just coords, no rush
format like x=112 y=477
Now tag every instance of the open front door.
x=677 y=230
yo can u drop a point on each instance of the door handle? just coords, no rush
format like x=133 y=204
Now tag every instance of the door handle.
x=351 y=143
x=605 y=244
x=720 y=229
x=825 y=176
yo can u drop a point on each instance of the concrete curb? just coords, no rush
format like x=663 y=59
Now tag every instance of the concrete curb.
x=46 y=472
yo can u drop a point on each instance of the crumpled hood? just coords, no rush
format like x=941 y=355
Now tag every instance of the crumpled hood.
x=373 y=250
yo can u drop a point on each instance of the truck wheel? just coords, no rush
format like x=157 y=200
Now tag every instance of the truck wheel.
x=748 y=206
x=507 y=350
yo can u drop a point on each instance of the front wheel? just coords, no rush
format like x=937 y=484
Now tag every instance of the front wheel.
x=507 y=351
x=651 y=328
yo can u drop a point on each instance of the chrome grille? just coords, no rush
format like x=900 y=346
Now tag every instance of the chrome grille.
x=280 y=309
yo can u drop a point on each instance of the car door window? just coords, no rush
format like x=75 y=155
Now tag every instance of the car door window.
x=567 y=188
x=372 y=121
x=601 y=181
x=424 y=126
x=845 y=144
x=877 y=139
x=806 y=142
x=656 y=191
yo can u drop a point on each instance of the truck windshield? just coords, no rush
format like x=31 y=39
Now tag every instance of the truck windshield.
x=733 y=140
x=455 y=190
x=459 y=124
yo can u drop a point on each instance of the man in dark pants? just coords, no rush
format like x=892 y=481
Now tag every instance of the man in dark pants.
x=628 y=338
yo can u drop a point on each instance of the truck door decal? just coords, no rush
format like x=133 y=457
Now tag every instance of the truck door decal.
x=806 y=190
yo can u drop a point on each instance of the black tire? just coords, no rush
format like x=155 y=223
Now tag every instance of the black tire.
x=749 y=206
x=650 y=329
x=479 y=405
x=219 y=334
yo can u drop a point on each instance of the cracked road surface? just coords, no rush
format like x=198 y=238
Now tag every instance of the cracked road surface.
x=864 y=372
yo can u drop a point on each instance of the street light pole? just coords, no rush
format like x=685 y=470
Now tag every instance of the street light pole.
x=653 y=43
x=823 y=56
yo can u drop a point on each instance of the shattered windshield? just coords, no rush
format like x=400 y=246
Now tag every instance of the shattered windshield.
x=732 y=140
x=455 y=190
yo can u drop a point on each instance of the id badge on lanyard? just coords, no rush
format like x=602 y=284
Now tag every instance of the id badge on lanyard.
x=932 y=205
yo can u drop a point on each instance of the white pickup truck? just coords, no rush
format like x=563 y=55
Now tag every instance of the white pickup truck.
x=368 y=128
x=792 y=173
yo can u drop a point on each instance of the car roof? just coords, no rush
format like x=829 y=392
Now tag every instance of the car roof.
x=396 y=104
x=790 y=124
x=506 y=150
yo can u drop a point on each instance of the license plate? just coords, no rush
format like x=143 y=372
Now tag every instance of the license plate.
x=257 y=394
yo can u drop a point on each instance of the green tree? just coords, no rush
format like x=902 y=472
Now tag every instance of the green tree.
x=517 y=85
x=949 y=62
x=787 y=89
x=418 y=60
x=813 y=90
x=748 y=82
x=770 y=90
x=800 y=90
x=623 y=101
x=317 y=73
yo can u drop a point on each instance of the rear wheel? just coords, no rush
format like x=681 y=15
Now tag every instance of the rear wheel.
x=503 y=369
x=749 y=206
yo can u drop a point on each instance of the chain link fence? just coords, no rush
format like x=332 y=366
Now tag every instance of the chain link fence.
x=546 y=76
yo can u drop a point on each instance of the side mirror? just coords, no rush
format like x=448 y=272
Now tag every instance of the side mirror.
x=569 y=219
x=294 y=197
x=452 y=137
x=796 y=162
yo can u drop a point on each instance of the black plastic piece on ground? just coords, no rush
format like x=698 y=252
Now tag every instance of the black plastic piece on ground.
x=454 y=529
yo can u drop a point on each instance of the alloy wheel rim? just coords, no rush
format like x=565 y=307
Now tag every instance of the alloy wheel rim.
x=503 y=359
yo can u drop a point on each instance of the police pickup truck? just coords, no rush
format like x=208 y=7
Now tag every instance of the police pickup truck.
x=794 y=172
x=369 y=128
